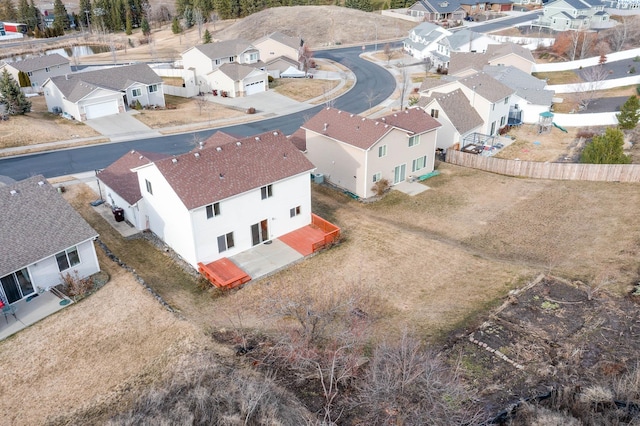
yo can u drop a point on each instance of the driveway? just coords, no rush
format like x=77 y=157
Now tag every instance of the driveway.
x=121 y=126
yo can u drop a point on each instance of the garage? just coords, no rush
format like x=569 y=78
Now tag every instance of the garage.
x=252 y=88
x=101 y=109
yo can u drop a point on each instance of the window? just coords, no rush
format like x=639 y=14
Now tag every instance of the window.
x=149 y=188
x=414 y=140
x=266 y=192
x=213 y=210
x=68 y=258
x=434 y=113
x=217 y=61
x=294 y=211
x=153 y=88
x=506 y=100
x=253 y=57
x=47 y=69
x=502 y=120
x=493 y=128
x=225 y=242
x=493 y=107
x=377 y=177
x=232 y=58
x=419 y=163
x=136 y=93
x=29 y=73
x=382 y=151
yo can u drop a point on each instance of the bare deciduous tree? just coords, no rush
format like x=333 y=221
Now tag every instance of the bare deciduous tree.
x=388 y=52
x=593 y=81
x=619 y=34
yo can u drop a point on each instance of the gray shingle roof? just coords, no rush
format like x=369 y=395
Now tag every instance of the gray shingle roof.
x=495 y=51
x=36 y=223
x=577 y=4
x=526 y=86
x=457 y=108
x=224 y=49
x=39 y=62
x=213 y=174
x=487 y=86
x=293 y=42
x=119 y=177
x=78 y=85
x=235 y=71
x=439 y=6
x=460 y=38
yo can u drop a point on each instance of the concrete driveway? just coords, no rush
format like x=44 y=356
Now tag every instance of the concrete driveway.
x=121 y=126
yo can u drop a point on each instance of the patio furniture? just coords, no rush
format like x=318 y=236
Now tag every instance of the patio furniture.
x=9 y=310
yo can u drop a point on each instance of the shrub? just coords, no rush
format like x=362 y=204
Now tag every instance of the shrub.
x=251 y=110
x=585 y=133
x=632 y=70
x=381 y=186
x=270 y=79
x=74 y=286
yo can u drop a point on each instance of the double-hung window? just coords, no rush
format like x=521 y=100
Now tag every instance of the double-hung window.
x=266 y=192
x=225 y=242
x=213 y=210
x=414 y=140
x=153 y=88
x=136 y=92
x=382 y=151
x=294 y=211
x=419 y=163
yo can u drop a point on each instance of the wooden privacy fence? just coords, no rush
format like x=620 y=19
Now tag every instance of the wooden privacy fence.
x=556 y=171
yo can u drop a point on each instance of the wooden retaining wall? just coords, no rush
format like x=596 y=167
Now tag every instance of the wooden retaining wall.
x=556 y=171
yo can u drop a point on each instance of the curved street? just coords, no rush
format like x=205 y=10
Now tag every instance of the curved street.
x=370 y=78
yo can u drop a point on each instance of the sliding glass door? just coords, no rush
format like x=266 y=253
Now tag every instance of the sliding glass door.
x=17 y=285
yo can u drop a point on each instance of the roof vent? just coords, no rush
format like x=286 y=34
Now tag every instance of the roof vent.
x=197 y=155
x=339 y=111
x=363 y=118
x=140 y=158
x=257 y=138
x=13 y=192
x=40 y=183
x=275 y=133
x=221 y=175
x=350 y=115
x=325 y=126
x=238 y=143
x=284 y=155
x=201 y=144
x=384 y=118
x=133 y=151
x=218 y=148
x=174 y=160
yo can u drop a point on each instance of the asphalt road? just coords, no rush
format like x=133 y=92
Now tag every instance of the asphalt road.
x=371 y=78
x=505 y=23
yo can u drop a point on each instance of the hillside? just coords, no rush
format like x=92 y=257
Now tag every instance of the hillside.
x=319 y=25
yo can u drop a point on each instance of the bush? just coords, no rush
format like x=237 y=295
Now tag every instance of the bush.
x=585 y=133
x=74 y=286
x=381 y=186
x=270 y=79
x=251 y=110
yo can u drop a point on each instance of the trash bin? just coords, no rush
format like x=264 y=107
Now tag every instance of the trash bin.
x=118 y=214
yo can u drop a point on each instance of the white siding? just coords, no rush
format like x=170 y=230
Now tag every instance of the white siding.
x=45 y=273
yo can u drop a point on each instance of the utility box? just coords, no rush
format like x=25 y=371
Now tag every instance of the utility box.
x=118 y=214
x=318 y=178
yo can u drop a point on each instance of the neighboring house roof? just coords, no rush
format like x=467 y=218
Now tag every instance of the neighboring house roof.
x=461 y=61
x=36 y=223
x=430 y=83
x=363 y=132
x=439 y=6
x=219 y=138
x=216 y=173
x=486 y=86
x=78 y=85
x=120 y=177
x=414 y=120
x=495 y=51
x=223 y=49
x=299 y=139
x=576 y=4
x=458 y=39
x=281 y=59
x=293 y=42
x=526 y=86
x=235 y=71
x=457 y=108
x=39 y=62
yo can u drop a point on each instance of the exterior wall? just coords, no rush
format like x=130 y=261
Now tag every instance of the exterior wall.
x=271 y=49
x=248 y=57
x=195 y=59
x=339 y=162
x=530 y=112
x=447 y=135
x=221 y=82
x=514 y=60
x=135 y=214
x=97 y=97
x=45 y=273
x=254 y=77
x=53 y=97
x=166 y=215
x=487 y=111
x=38 y=77
x=239 y=213
x=189 y=78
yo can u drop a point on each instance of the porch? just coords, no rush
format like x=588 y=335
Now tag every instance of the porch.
x=270 y=256
x=30 y=310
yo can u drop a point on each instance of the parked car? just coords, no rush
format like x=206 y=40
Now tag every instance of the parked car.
x=468 y=18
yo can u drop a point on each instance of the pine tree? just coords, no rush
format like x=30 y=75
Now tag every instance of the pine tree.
x=60 y=16
x=188 y=17
x=8 y=11
x=206 y=38
x=84 y=6
x=176 y=28
x=23 y=79
x=223 y=7
x=11 y=95
x=24 y=12
x=34 y=18
x=128 y=26
x=629 y=113
x=606 y=149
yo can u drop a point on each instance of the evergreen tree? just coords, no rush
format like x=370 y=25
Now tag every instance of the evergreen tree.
x=188 y=17
x=23 y=79
x=146 y=30
x=11 y=95
x=176 y=28
x=24 y=12
x=223 y=7
x=60 y=16
x=8 y=11
x=606 y=149
x=34 y=18
x=182 y=5
x=128 y=27
x=206 y=38
x=115 y=14
x=629 y=113
x=84 y=6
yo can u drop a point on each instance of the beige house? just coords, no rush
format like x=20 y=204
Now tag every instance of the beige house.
x=206 y=59
x=38 y=69
x=353 y=152
x=235 y=80
x=463 y=64
x=277 y=45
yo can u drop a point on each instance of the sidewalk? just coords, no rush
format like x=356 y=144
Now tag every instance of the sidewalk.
x=267 y=104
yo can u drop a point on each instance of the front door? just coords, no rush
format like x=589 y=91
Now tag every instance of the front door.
x=259 y=232
x=17 y=285
x=400 y=173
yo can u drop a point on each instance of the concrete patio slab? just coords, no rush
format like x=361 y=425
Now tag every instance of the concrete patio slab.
x=411 y=188
x=266 y=258
x=29 y=312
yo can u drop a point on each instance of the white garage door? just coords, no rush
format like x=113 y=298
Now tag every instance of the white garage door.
x=101 y=109
x=256 y=87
